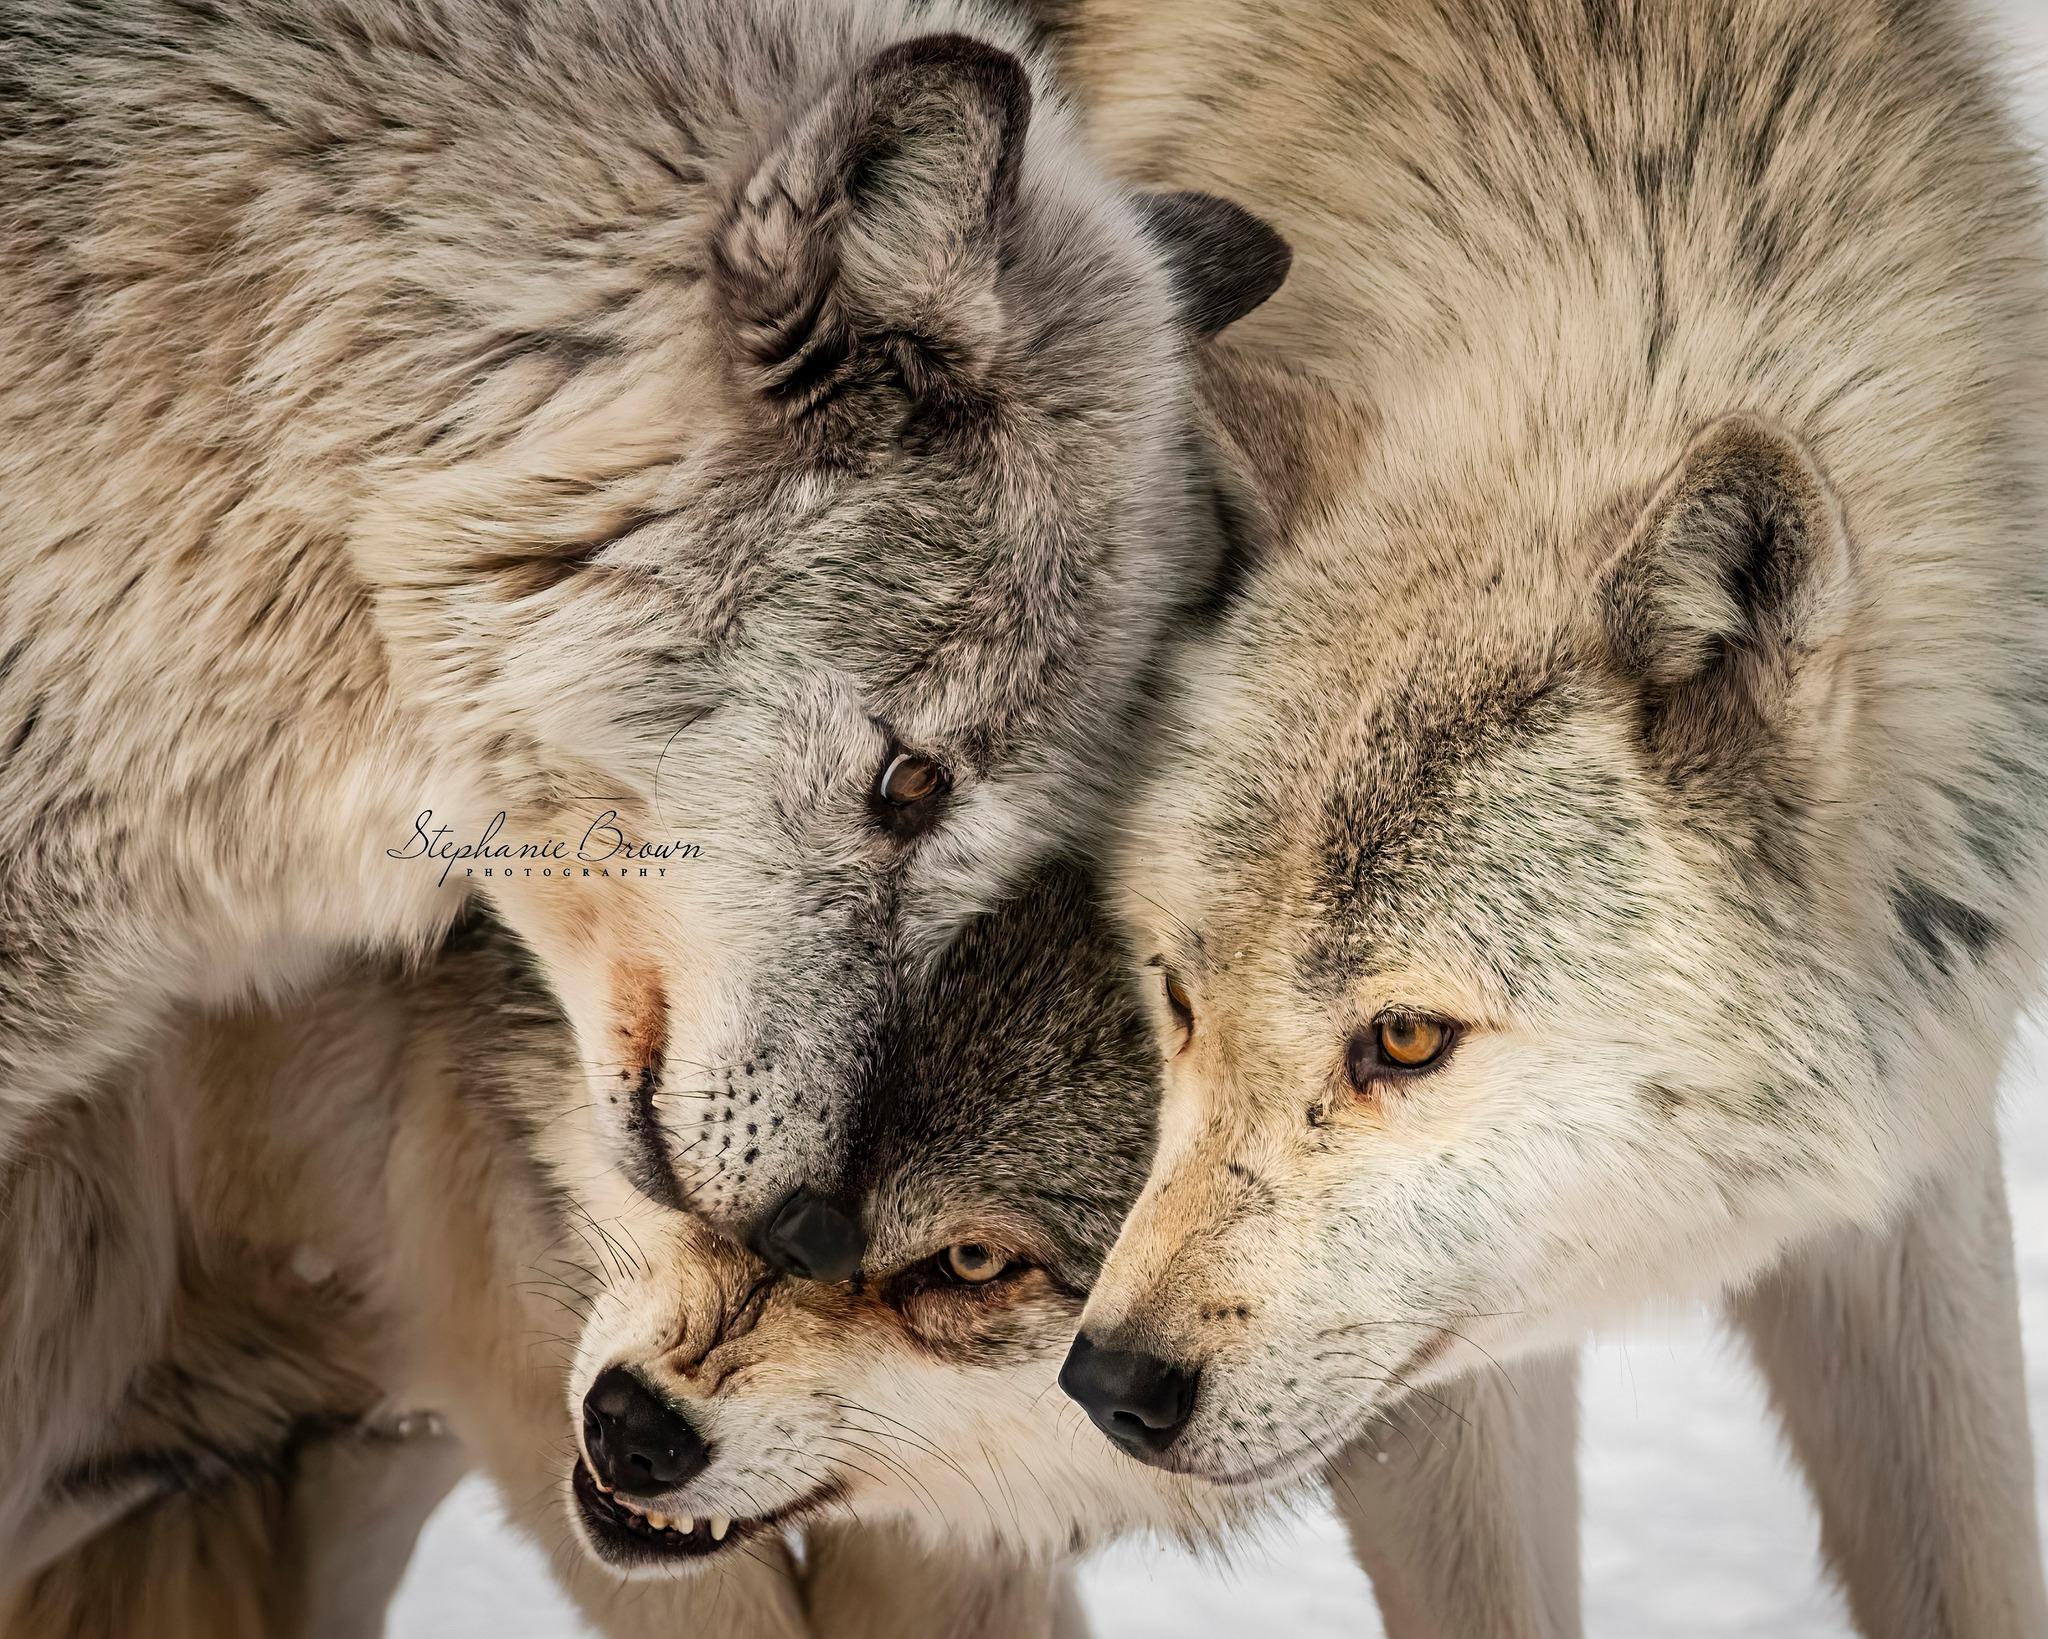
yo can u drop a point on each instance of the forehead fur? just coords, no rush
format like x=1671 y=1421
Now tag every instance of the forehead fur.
x=1440 y=828
x=984 y=607
x=1495 y=838
x=1018 y=1085
x=1472 y=795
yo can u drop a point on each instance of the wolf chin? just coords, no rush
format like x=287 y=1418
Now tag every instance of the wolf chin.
x=1602 y=852
x=755 y=418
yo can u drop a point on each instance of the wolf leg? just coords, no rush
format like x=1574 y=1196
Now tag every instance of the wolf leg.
x=315 y=1554
x=1464 y=1507
x=1069 y=1619
x=752 y=1595
x=61 y=1529
x=878 y=1583
x=1894 y=1362
x=354 y=1511
x=194 y=1566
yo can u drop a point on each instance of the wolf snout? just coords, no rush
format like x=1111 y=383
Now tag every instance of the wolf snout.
x=809 y=1237
x=1139 y=1400
x=635 y=1441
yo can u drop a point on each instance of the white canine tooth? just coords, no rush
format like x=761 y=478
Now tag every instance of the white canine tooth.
x=719 y=1526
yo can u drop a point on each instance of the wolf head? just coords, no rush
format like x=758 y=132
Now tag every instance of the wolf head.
x=827 y=577
x=717 y=1399
x=1501 y=901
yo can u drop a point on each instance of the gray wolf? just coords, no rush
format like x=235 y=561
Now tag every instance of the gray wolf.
x=1600 y=855
x=250 y=1263
x=706 y=476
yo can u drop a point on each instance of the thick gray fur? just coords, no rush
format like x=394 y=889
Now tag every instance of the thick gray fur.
x=565 y=409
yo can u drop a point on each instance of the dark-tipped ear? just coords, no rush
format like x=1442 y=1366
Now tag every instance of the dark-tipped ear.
x=876 y=221
x=1727 y=609
x=1224 y=260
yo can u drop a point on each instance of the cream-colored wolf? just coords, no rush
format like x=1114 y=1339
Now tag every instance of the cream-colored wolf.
x=1602 y=852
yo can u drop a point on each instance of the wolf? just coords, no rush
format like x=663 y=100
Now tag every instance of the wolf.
x=1599 y=855
x=340 y=1251
x=704 y=475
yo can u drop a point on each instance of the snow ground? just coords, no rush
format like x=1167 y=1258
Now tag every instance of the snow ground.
x=1695 y=1525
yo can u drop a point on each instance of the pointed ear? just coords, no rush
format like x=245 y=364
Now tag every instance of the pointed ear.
x=1224 y=261
x=1727 y=611
x=874 y=223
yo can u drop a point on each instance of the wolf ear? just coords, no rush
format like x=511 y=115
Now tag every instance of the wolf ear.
x=1727 y=609
x=875 y=222
x=1224 y=261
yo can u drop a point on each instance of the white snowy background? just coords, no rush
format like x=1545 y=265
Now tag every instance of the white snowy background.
x=1696 y=1527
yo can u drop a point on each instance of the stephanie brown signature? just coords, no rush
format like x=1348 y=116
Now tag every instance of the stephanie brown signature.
x=603 y=843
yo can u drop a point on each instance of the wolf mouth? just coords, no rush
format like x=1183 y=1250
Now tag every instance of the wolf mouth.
x=649 y=1163
x=622 y=1534
x=1296 y=1463
x=1280 y=1471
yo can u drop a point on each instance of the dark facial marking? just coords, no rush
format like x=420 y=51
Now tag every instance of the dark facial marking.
x=1666 y=1101
x=1018 y=1085
x=1938 y=926
x=1435 y=740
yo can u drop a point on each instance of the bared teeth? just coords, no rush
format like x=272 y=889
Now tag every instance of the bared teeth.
x=642 y=1518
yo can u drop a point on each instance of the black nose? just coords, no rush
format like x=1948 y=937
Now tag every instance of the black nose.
x=812 y=1239
x=1138 y=1400
x=636 y=1442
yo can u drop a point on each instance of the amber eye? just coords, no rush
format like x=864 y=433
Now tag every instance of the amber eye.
x=908 y=778
x=973 y=1264
x=1398 y=1044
